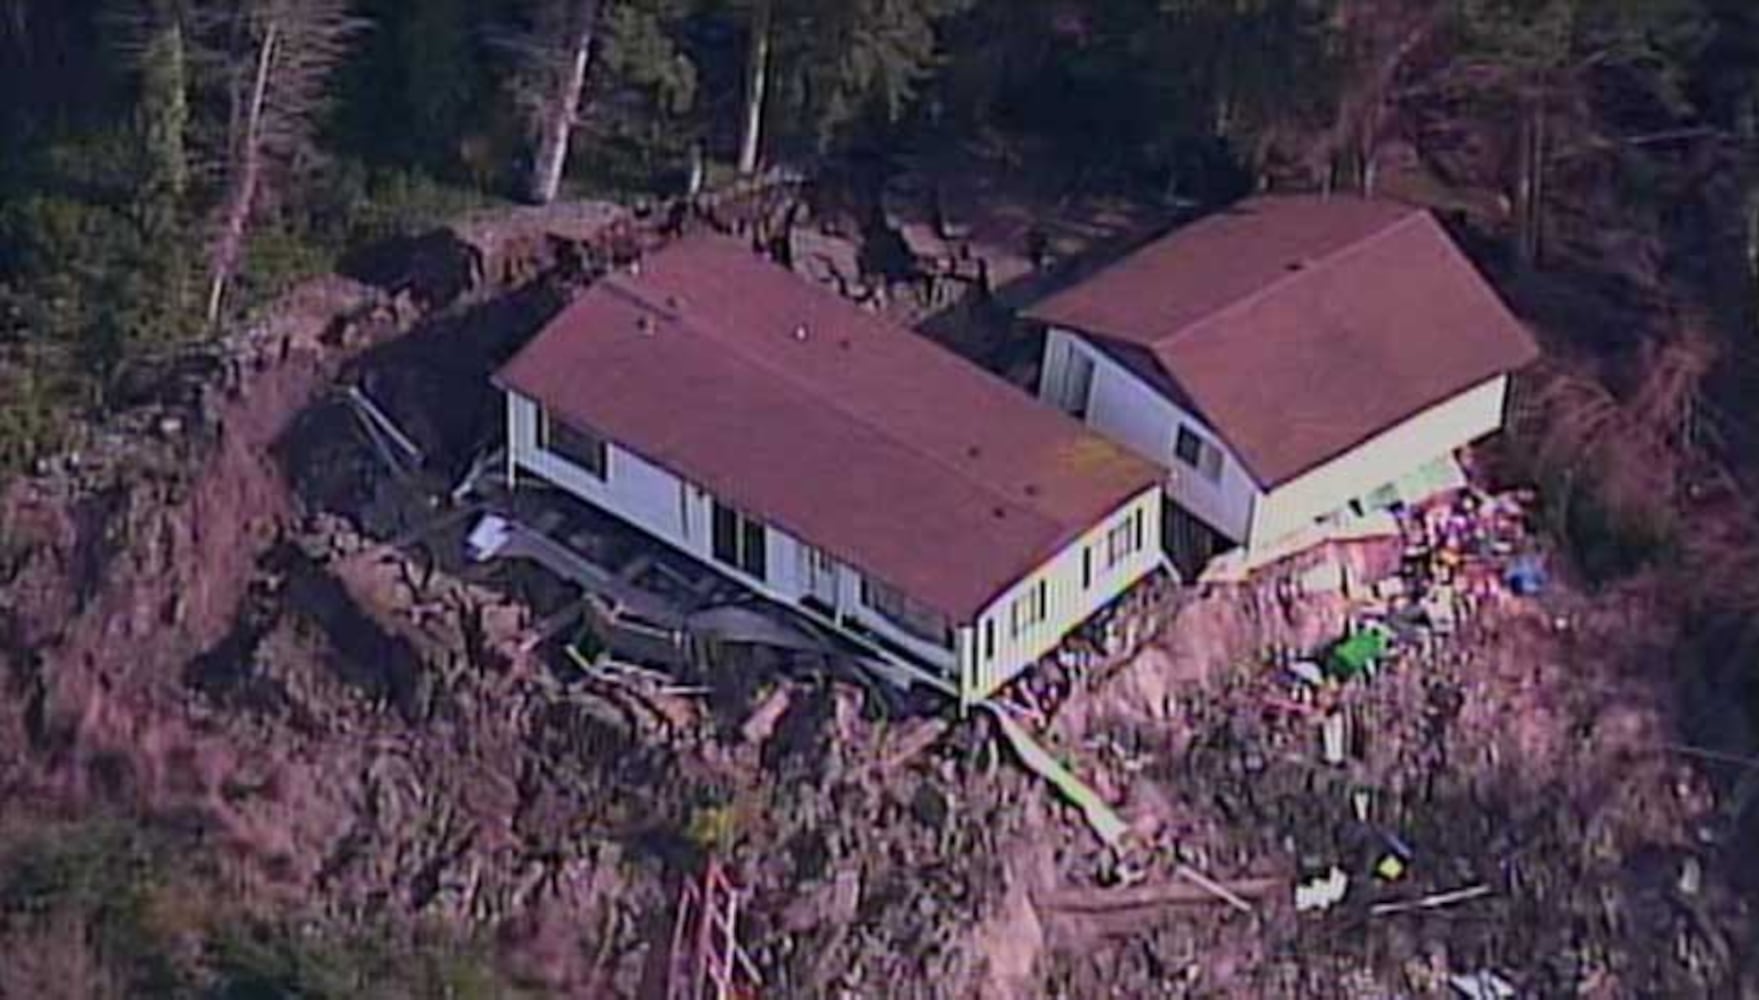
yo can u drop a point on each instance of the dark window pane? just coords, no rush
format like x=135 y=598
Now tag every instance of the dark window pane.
x=1188 y=447
x=582 y=448
x=726 y=535
x=754 y=557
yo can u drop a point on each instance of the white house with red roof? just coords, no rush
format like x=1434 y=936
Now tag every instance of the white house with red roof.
x=1290 y=361
x=833 y=462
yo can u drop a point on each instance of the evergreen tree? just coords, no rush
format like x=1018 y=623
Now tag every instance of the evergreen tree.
x=827 y=67
x=161 y=122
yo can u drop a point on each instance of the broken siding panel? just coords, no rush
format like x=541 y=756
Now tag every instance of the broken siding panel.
x=1066 y=602
x=1394 y=454
x=1138 y=416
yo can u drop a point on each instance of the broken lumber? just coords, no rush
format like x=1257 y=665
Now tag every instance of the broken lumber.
x=760 y=725
x=383 y=422
x=1140 y=897
x=1104 y=820
x=911 y=742
x=1431 y=902
x=1214 y=888
x=1720 y=756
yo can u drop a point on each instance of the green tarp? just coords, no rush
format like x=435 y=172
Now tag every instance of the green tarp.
x=1355 y=654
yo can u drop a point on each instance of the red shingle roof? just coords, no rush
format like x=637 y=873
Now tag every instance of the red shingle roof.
x=850 y=433
x=1300 y=327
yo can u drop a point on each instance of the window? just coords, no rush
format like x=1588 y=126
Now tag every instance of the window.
x=1086 y=566
x=989 y=638
x=914 y=618
x=1188 y=446
x=1027 y=610
x=1211 y=463
x=739 y=541
x=1198 y=453
x=582 y=448
x=1077 y=384
x=1125 y=539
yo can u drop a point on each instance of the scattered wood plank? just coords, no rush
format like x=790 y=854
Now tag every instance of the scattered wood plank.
x=1141 y=897
x=911 y=742
x=1214 y=888
x=761 y=724
x=1702 y=753
x=1431 y=902
x=383 y=422
x=1104 y=820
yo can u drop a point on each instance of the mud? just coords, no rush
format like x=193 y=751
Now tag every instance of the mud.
x=245 y=624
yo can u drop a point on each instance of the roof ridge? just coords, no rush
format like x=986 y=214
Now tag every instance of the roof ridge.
x=1294 y=276
x=1280 y=283
x=677 y=314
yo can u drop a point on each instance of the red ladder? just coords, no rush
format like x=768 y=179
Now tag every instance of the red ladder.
x=706 y=961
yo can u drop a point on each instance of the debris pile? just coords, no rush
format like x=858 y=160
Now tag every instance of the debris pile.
x=1463 y=794
x=1390 y=768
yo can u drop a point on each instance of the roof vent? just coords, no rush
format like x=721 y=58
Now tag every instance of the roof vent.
x=674 y=303
x=645 y=324
x=800 y=332
x=1032 y=489
x=844 y=343
x=635 y=268
x=999 y=512
x=1295 y=265
x=973 y=451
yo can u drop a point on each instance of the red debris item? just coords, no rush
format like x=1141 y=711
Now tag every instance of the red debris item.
x=706 y=961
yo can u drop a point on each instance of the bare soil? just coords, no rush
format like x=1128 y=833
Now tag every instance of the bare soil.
x=244 y=623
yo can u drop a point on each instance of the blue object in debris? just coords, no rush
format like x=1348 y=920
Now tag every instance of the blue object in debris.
x=1525 y=576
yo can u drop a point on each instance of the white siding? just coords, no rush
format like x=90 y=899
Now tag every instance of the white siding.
x=1135 y=414
x=1068 y=603
x=633 y=489
x=647 y=496
x=1436 y=432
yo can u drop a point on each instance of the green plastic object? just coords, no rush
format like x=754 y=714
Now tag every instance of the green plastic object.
x=1352 y=656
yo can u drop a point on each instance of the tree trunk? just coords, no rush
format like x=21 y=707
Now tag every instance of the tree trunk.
x=1536 y=193
x=698 y=170
x=756 y=83
x=161 y=121
x=1747 y=135
x=1529 y=181
x=247 y=162
x=564 y=107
